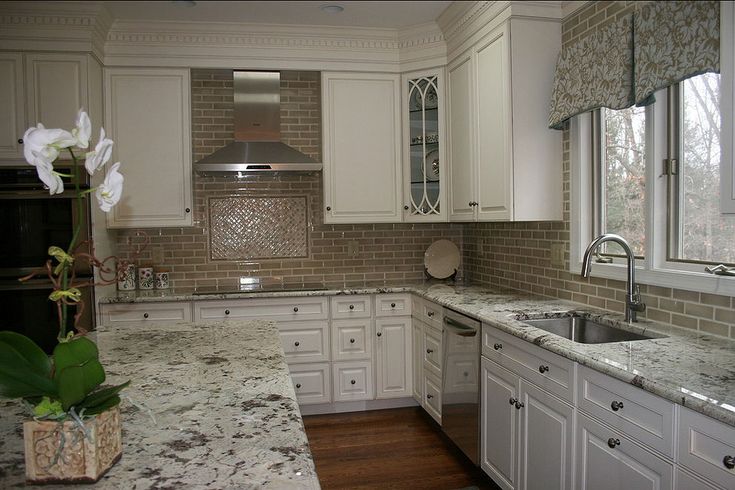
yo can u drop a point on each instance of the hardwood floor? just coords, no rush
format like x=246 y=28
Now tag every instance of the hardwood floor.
x=398 y=448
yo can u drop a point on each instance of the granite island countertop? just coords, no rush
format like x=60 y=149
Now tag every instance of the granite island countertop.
x=225 y=410
x=690 y=368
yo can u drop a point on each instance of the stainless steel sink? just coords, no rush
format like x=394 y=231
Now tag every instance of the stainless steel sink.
x=584 y=331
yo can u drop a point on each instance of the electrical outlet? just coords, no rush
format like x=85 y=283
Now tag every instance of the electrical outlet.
x=353 y=247
x=557 y=254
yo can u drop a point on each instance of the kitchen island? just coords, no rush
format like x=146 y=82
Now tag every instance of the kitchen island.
x=211 y=405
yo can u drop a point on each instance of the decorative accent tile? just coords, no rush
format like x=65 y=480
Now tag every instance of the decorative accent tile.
x=257 y=227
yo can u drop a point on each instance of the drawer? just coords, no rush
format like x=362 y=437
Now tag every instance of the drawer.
x=686 y=481
x=277 y=309
x=646 y=417
x=120 y=314
x=311 y=382
x=353 y=381
x=704 y=444
x=433 y=397
x=433 y=351
x=351 y=306
x=305 y=341
x=392 y=304
x=545 y=369
x=352 y=339
x=432 y=314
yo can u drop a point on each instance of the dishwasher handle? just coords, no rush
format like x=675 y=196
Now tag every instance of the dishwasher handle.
x=460 y=328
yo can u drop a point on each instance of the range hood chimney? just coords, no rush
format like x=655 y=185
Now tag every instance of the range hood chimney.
x=257 y=146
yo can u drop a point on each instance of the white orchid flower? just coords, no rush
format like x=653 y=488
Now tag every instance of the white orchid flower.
x=109 y=192
x=100 y=155
x=49 y=177
x=41 y=145
x=83 y=130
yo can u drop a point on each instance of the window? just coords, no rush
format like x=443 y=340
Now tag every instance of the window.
x=652 y=175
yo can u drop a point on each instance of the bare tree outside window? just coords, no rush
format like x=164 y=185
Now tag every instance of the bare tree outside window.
x=704 y=233
x=623 y=176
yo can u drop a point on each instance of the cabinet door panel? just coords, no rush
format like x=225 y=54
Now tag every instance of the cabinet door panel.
x=499 y=424
x=148 y=117
x=12 y=105
x=493 y=143
x=362 y=147
x=461 y=157
x=352 y=339
x=57 y=89
x=393 y=356
x=417 y=337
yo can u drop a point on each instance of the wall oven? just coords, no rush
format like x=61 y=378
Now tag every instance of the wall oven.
x=30 y=221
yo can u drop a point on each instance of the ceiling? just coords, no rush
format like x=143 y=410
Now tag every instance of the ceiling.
x=380 y=14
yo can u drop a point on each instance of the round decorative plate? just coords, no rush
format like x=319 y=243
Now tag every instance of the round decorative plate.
x=441 y=259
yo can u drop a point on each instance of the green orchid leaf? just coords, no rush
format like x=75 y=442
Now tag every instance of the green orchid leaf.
x=24 y=368
x=107 y=404
x=76 y=382
x=102 y=395
x=75 y=352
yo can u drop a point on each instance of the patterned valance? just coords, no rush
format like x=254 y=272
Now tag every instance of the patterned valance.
x=624 y=63
x=674 y=41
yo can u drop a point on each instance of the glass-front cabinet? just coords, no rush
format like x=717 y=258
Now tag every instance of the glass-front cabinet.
x=424 y=153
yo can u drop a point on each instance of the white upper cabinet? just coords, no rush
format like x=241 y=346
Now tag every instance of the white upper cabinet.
x=148 y=116
x=505 y=164
x=12 y=105
x=362 y=147
x=424 y=137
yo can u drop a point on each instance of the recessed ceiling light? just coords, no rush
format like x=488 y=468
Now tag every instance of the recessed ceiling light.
x=184 y=3
x=332 y=9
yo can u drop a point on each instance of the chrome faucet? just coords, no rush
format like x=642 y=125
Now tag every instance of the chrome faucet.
x=633 y=303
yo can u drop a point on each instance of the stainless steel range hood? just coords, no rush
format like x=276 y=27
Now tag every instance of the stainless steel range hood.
x=257 y=146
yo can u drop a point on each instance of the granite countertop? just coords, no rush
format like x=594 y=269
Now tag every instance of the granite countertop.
x=225 y=410
x=692 y=369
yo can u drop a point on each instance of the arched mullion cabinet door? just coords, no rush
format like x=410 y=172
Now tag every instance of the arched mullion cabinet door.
x=424 y=162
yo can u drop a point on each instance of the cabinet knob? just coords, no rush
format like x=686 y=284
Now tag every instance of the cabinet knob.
x=429 y=397
x=405 y=207
x=352 y=341
x=20 y=141
x=543 y=369
x=513 y=401
x=497 y=346
x=613 y=442
x=352 y=381
x=352 y=307
x=729 y=462
x=379 y=334
x=297 y=343
x=519 y=405
x=469 y=204
x=616 y=405
x=329 y=208
x=392 y=305
x=295 y=309
x=145 y=315
x=187 y=210
x=430 y=314
x=298 y=385
x=227 y=312
x=429 y=351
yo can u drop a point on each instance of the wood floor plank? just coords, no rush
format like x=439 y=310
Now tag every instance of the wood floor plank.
x=398 y=448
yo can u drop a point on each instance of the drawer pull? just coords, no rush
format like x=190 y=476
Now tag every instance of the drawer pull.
x=352 y=307
x=352 y=381
x=295 y=309
x=352 y=341
x=429 y=351
x=430 y=314
x=392 y=305
x=513 y=401
x=429 y=397
x=227 y=312
x=519 y=405
x=298 y=385
x=616 y=405
x=497 y=346
x=729 y=462
x=543 y=369
x=297 y=343
x=379 y=334
x=145 y=315
x=613 y=442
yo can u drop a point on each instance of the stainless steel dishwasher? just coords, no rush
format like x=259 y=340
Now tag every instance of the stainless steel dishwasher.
x=460 y=382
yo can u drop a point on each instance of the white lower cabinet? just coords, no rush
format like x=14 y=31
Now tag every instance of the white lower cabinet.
x=393 y=357
x=311 y=382
x=707 y=448
x=432 y=401
x=162 y=313
x=417 y=335
x=526 y=433
x=609 y=460
x=352 y=381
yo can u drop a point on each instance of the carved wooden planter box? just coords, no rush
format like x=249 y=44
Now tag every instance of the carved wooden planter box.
x=81 y=459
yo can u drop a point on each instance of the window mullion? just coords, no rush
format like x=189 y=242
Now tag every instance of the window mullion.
x=657 y=182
